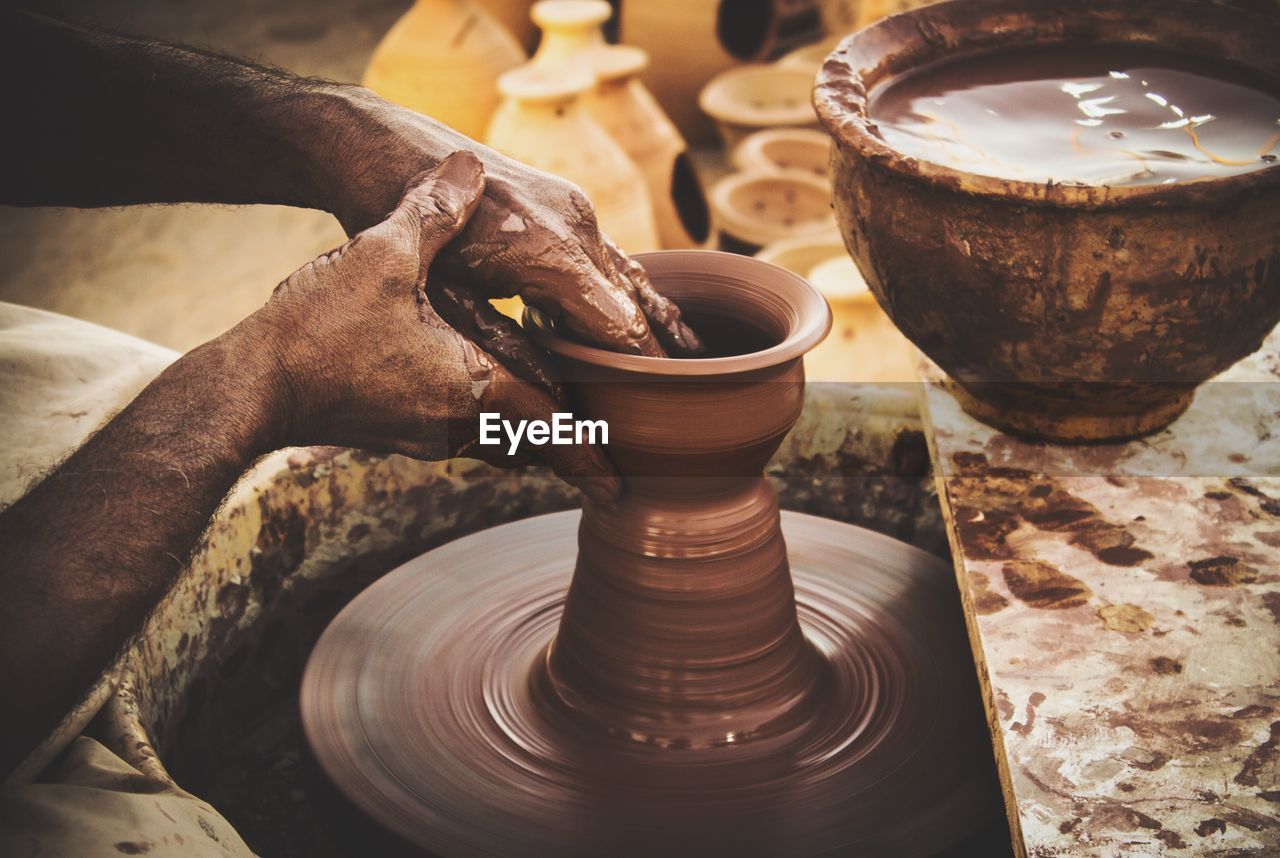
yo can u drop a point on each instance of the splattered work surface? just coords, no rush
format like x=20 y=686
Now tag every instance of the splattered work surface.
x=1123 y=604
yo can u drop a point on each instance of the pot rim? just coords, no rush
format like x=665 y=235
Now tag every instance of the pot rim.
x=719 y=102
x=841 y=91
x=808 y=317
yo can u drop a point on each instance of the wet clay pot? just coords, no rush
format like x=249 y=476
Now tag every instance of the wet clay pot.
x=693 y=684
x=1068 y=312
x=696 y=542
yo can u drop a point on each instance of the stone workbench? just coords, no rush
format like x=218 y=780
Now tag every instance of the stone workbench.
x=1123 y=605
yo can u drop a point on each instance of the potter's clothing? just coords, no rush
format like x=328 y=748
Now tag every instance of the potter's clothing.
x=60 y=379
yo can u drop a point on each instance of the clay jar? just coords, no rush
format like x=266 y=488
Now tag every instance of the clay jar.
x=443 y=58
x=1068 y=312
x=626 y=109
x=706 y=648
x=544 y=123
x=758 y=30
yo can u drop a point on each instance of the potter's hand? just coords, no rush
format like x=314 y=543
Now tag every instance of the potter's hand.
x=369 y=362
x=532 y=235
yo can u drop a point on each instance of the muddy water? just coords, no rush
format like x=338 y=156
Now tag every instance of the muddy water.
x=1101 y=115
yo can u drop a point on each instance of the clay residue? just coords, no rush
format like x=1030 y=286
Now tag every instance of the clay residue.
x=985 y=601
x=1271 y=601
x=1166 y=666
x=1023 y=728
x=1043 y=585
x=1265 y=758
x=1224 y=571
x=992 y=502
x=1126 y=618
x=1212 y=825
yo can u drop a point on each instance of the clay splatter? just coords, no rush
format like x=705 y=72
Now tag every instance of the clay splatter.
x=1222 y=572
x=1042 y=585
x=1126 y=618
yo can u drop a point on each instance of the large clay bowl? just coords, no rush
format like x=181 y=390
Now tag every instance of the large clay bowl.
x=1071 y=312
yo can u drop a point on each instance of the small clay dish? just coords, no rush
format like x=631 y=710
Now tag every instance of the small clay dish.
x=801 y=253
x=777 y=149
x=808 y=59
x=748 y=98
x=1068 y=312
x=756 y=209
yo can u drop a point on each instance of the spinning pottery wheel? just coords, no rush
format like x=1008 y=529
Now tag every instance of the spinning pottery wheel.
x=695 y=685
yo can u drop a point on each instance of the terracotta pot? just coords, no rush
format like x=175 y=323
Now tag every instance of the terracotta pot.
x=443 y=58
x=544 y=122
x=1075 y=313
x=695 y=542
x=777 y=149
x=756 y=209
x=750 y=98
x=757 y=30
x=680 y=38
x=514 y=16
x=628 y=112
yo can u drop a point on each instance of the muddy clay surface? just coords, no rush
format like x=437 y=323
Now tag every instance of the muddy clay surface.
x=1122 y=603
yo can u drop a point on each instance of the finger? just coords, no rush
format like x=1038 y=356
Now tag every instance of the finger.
x=581 y=465
x=595 y=309
x=477 y=320
x=663 y=315
x=435 y=207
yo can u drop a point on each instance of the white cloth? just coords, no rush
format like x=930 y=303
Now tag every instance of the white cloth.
x=61 y=379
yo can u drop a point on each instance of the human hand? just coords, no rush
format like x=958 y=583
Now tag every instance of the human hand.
x=368 y=360
x=533 y=235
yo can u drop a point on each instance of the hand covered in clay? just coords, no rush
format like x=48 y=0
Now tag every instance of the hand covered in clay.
x=369 y=360
x=533 y=235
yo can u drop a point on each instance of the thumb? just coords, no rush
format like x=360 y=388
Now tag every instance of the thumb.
x=435 y=207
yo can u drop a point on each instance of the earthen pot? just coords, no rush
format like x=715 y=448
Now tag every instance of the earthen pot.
x=749 y=98
x=777 y=149
x=544 y=122
x=443 y=58
x=758 y=30
x=757 y=209
x=1069 y=312
x=695 y=542
x=572 y=34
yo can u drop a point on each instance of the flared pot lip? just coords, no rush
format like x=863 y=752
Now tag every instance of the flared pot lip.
x=852 y=71
x=808 y=317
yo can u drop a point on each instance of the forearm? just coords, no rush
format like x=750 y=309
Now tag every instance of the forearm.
x=96 y=119
x=91 y=550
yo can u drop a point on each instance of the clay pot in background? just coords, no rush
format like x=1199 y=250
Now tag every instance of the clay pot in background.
x=777 y=149
x=757 y=209
x=680 y=38
x=864 y=346
x=514 y=16
x=759 y=30
x=1067 y=312
x=870 y=11
x=755 y=97
x=544 y=123
x=568 y=27
x=443 y=58
x=810 y=57
x=628 y=112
